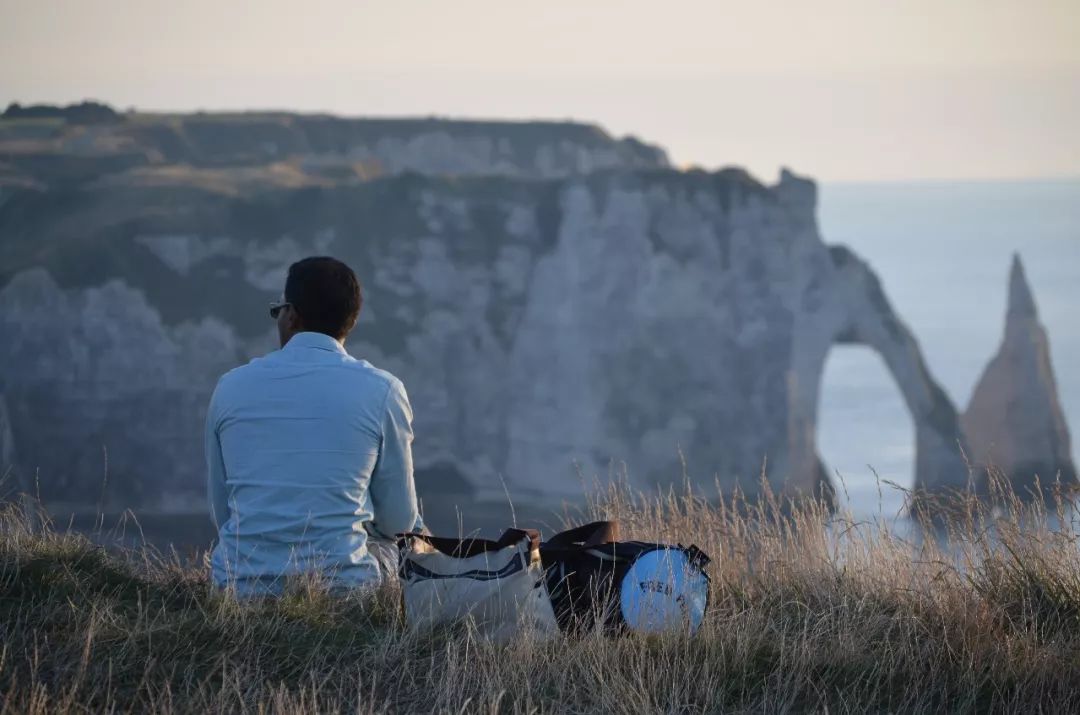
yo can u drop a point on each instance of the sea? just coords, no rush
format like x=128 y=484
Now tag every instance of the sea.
x=942 y=250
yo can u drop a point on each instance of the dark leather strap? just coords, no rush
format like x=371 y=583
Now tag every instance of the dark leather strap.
x=464 y=548
x=594 y=534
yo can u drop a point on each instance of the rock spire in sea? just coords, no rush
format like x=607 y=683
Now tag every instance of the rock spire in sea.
x=1014 y=421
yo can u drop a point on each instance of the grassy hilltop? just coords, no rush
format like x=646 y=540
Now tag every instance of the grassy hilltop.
x=799 y=621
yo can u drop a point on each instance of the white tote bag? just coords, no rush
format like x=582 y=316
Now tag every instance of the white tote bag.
x=497 y=585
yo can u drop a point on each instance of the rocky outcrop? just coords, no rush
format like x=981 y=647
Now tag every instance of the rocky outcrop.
x=1014 y=421
x=544 y=327
x=867 y=318
x=102 y=394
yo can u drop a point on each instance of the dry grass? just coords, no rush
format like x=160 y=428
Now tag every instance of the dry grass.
x=810 y=612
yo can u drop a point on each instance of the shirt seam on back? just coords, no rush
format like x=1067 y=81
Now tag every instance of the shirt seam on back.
x=385 y=413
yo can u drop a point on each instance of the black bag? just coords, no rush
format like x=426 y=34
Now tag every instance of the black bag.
x=593 y=578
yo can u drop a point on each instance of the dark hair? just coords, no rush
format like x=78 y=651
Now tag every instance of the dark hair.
x=325 y=293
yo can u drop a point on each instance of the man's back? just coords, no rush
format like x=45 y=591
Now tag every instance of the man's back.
x=310 y=445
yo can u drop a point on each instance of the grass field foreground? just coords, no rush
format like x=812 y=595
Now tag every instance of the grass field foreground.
x=810 y=612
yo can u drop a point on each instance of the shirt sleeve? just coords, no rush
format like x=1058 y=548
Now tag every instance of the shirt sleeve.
x=392 y=489
x=216 y=493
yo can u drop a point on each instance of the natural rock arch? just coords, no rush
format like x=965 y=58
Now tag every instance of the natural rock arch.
x=862 y=315
x=862 y=422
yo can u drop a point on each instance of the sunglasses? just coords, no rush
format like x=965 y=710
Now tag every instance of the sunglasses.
x=275 y=309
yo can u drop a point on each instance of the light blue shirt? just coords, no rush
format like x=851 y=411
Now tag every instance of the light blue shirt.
x=308 y=449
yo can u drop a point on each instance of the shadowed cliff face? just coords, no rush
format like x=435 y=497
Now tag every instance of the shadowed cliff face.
x=544 y=327
x=7 y=440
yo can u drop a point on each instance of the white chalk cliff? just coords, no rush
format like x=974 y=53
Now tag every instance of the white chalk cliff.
x=545 y=322
x=1014 y=421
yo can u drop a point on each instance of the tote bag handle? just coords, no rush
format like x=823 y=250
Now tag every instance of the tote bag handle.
x=593 y=534
x=464 y=548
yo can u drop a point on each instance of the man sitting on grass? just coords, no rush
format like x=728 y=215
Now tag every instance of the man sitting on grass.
x=308 y=449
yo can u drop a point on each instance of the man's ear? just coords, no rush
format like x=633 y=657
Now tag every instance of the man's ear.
x=296 y=325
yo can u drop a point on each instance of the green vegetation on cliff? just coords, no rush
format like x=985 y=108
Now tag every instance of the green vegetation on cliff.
x=61 y=146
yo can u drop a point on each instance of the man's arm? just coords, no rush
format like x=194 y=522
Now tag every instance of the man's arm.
x=392 y=490
x=215 y=467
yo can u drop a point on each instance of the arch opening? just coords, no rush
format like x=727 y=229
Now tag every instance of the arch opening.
x=864 y=426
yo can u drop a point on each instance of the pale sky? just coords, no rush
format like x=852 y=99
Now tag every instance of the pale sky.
x=843 y=90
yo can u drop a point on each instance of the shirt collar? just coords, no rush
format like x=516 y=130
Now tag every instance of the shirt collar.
x=318 y=341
